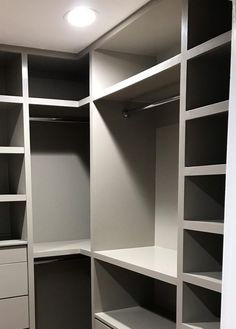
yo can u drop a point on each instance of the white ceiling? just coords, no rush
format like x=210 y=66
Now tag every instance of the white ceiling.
x=40 y=23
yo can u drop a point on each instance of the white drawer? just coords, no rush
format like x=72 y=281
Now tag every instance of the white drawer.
x=100 y=325
x=13 y=255
x=14 y=313
x=13 y=280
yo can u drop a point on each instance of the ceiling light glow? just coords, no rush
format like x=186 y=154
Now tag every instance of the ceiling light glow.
x=81 y=16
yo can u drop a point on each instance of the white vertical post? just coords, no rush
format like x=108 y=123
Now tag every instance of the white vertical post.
x=228 y=318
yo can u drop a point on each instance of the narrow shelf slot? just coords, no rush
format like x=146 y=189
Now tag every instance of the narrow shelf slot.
x=200 y=306
x=62 y=248
x=57 y=78
x=10 y=74
x=213 y=22
x=12 y=174
x=125 y=305
x=11 y=125
x=207 y=191
x=158 y=263
x=134 y=317
x=12 y=223
x=202 y=258
x=208 y=78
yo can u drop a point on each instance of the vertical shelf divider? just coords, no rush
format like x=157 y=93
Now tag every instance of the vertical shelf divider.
x=28 y=189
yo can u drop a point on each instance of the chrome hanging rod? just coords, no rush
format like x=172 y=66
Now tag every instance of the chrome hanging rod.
x=127 y=113
x=59 y=120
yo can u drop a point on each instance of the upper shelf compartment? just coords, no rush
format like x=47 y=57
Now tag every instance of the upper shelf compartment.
x=58 y=78
x=151 y=38
x=215 y=17
x=10 y=74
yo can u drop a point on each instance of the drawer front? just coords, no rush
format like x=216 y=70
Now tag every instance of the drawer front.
x=100 y=325
x=14 y=313
x=13 y=280
x=13 y=255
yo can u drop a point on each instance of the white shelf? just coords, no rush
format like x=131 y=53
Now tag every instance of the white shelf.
x=53 y=102
x=12 y=197
x=11 y=99
x=155 y=262
x=62 y=248
x=208 y=280
x=216 y=227
x=11 y=150
x=12 y=243
x=205 y=170
x=209 y=45
x=213 y=109
x=156 y=78
x=202 y=325
x=134 y=318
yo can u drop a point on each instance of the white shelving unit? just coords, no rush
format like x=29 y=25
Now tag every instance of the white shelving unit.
x=113 y=169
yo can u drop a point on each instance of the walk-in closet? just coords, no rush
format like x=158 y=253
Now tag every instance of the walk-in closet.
x=117 y=170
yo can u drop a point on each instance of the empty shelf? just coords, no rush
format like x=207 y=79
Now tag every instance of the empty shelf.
x=210 y=45
x=208 y=280
x=12 y=243
x=134 y=318
x=12 y=197
x=216 y=227
x=158 y=263
x=11 y=99
x=202 y=325
x=11 y=150
x=52 y=102
x=204 y=111
x=61 y=248
x=158 y=77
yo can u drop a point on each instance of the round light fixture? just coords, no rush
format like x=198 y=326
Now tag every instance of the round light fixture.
x=81 y=16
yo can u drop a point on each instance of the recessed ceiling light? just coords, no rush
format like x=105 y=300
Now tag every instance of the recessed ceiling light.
x=81 y=16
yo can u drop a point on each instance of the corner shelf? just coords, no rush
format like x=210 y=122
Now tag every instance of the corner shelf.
x=208 y=280
x=62 y=248
x=158 y=263
x=134 y=317
x=205 y=170
x=157 y=77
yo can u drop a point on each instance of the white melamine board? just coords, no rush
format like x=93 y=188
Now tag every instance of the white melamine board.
x=228 y=317
x=205 y=170
x=208 y=280
x=12 y=243
x=161 y=76
x=202 y=325
x=61 y=248
x=12 y=197
x=155 y=262
x=210 y=226
x=11 y=150
x=134 y=318
x=210 y=45
x=10 y=255
x=10 y=99
x=53 y=102
x=212 y=109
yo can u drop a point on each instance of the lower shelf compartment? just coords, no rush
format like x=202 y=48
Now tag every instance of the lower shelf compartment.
x=134 y=317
